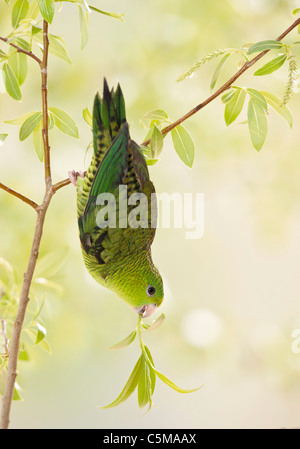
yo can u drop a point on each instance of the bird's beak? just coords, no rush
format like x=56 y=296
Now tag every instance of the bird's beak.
x=146 y=310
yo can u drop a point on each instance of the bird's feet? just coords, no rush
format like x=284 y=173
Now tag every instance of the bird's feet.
x=73 y=175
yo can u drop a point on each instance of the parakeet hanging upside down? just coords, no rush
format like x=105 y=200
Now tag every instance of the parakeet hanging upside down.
x=119 y=256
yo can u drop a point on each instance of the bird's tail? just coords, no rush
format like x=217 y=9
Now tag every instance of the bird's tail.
x=108 y=118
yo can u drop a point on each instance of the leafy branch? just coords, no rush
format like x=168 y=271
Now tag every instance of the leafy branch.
x=22 y=50
x=143 y=376
x=259 y=101
x=182 y=141
x=226 y=52
x=37 y=123
x=41 y=212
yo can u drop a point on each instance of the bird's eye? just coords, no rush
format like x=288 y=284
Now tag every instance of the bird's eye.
x=150 y=290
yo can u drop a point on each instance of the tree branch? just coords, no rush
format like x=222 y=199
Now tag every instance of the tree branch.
x=34 y=253
x=218 y=92
x=18 y=324
x=44 y=74
x=225 y=86
x=19 y=195
x=21 y=50
x=61 y=184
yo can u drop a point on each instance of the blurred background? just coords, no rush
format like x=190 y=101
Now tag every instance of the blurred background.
x=232 y=297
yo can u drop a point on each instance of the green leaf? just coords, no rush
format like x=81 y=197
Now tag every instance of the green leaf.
x=41 y=333
x=146 y=150
x=35 y=29
x=22 y=43
x=34 y=10
x=144 y=384
x=84 y=5
x=19 y=120
x=143 y=125
x=218 y=71
x=271 y=66
x=51 y=120
x=157 y=142
x=257 y=124
x=84 y=22
x=47 y=9
x=152 y=372
x=45 y=345
x=2 y=138
x=174 y=386
x=16 y=393
x=151 y=161
x=19 y=64
x=23 y=354
x=156 y=323
x=276 y=104
x=258 y=96
x=11 y=83
x=130 y=386
x=296 y=11
x=183 y=144
x=264 y=45
x=29 y=125
x=64 y=122
x=56 y=46
x=124 y=343
x=234 y=106
x=157 y=114
x=110 y=14
x=38 y=141
x=87 y=117
x=19 y=12
x=3 y=55
x=228 y=96
x=148 y=137
x=57 y=49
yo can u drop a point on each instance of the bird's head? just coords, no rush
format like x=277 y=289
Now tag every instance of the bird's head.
x=141 y=287
x=151 y=297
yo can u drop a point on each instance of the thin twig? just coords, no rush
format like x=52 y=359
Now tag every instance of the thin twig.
x=21 y=50
x=19 y=195
x=65 y=182
x=61 y=184
x=44 y=74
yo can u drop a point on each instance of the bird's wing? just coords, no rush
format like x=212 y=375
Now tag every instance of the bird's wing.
x=109 y=176
x=141 y=170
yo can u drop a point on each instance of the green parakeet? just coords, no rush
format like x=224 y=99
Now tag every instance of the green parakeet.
x=116 y=254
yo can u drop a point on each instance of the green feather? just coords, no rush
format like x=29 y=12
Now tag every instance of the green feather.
x=119 y=104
